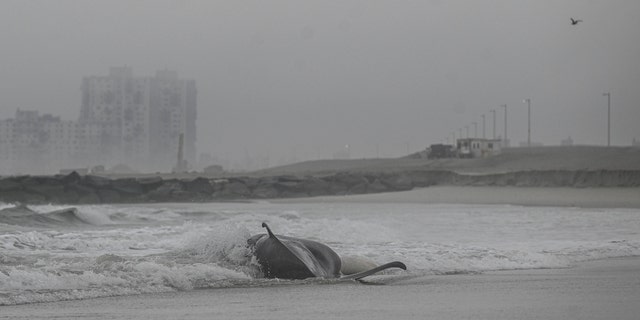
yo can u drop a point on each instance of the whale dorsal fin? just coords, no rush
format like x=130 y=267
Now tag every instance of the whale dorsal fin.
x=271 y=235
x=274 y=237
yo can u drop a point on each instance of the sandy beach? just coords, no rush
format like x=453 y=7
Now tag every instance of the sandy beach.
x=526 y=196
x=595 y=290
x=600 y=289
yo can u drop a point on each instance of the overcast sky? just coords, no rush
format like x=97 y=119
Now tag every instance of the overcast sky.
x=285 y=79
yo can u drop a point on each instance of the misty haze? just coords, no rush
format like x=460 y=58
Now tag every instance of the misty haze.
x=282 y=82
x=268 y=159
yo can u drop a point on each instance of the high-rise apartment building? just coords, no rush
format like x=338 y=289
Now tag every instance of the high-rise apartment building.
x=173 y=111
x=135 y=121
x=140 y=119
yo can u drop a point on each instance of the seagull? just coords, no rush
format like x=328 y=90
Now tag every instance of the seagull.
x=574 y=22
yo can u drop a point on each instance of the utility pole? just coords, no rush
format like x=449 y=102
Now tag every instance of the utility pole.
x=608 y=94
x=505 y=124
x=494 y=123
x=528 y=101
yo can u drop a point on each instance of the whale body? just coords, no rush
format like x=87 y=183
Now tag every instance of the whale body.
x=294 y=258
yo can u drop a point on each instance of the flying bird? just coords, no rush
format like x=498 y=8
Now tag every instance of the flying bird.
x=574 y=22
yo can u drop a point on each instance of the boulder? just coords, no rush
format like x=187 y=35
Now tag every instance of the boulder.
x=360 y=188
x=96 y=182
x=265 y=191
x=398 y=182
x=20 y=196
x=72 y=177
x=199 y=185
x=166 y=191
x=376 y=187
x=150 y=183
x=109 y=196
x=315 y=186
x=7 y=184
x=129 y=186
x=350 y=179
x=233 y=190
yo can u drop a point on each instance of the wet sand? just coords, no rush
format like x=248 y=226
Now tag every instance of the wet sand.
x=608 y=289
x=527 y=196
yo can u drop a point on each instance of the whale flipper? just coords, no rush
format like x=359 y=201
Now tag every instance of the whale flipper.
x=292 y=258
x=360 y=275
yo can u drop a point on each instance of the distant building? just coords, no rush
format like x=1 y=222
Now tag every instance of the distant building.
x=34 y=143
x=438 y=151
x=477 y=148
x=567 y=142
x=140 y=119
x=118 y=105
x=124 y=120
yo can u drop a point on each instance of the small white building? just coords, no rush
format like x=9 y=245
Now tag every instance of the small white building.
x=477 y=148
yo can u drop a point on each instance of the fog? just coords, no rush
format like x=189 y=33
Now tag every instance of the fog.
x=284 y=81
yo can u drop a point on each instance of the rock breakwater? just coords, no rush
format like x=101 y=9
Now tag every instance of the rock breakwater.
x=76 y=189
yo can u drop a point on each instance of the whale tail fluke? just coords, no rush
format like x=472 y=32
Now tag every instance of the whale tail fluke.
x=360 y=275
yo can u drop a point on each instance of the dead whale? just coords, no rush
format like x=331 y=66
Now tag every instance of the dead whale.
x=293 y=258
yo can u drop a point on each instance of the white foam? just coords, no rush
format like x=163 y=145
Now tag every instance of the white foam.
x=158 y=248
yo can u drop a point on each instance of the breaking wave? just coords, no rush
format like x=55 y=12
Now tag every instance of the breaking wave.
x=52 y=253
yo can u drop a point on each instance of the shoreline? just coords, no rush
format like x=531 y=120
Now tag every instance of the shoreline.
x=597 y=289
x=524 y=196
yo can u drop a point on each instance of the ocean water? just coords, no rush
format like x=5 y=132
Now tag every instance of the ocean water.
x=54 y=253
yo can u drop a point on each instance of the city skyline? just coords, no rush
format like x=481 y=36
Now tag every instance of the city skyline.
x=287 y=80
x=124 y=119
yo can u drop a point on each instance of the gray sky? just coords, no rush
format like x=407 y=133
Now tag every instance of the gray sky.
x=302 y=79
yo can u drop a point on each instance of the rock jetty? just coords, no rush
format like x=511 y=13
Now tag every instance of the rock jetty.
x=74 y=188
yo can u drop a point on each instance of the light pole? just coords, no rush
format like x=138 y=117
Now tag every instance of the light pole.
x=505 y=124
x=467 y=127
x=494 y=123
x=483 y=127
x=475 y=129
x=528 y=101
x=608 y=94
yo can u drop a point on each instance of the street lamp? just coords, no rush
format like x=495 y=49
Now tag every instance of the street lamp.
x=467 y=127
x=494 y=123
x=505 y=123
x=608 y=94
x=528 y=101
x=475 y=129
x=483 y=127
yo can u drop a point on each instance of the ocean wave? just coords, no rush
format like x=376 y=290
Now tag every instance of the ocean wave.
x=21 y=215
x=129 y=249
x=110 y=275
